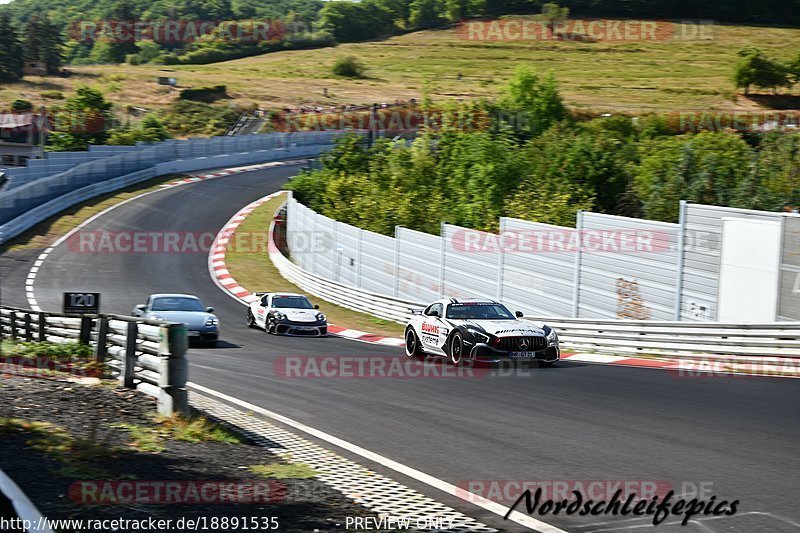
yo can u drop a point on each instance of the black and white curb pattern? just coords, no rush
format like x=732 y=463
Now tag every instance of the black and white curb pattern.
x=378 y=493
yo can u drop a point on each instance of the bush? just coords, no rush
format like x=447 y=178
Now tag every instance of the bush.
x=204 y=94
x=349 y=67
x=52 y=95
x=21 y=105
x=187 y=117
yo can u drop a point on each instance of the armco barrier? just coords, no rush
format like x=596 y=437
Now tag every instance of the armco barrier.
x=619 y=337
x=44 y=197
x=148 y=355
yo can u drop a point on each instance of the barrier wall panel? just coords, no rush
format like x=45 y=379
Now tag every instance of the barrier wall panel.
x=701 y=263
x=419 y=265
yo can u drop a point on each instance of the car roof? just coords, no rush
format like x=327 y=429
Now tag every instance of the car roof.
x=468 y=299
x=287 y=294
x=173 y=295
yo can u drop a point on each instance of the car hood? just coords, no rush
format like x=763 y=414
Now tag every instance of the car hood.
x=193 y=319
x=504 y=328
x=298 y=315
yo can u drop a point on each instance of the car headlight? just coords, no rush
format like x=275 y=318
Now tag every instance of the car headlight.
x=321 y=317
x=552 y=337
x=479 y=336
x=212 y=322
x=280 y=316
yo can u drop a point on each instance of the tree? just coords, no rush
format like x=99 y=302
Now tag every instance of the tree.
x=533 y=104
x=33 y=40
x=11 y=60
x=120 y=46
x=755 y=69
x=553 y=13
x=84 y=120
x=708 y=168
x=425 y=13
x=44 y=44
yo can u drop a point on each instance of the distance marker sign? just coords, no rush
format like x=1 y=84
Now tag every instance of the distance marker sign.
x=81 y=303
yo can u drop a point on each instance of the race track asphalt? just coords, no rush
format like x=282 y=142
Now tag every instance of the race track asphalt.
x=739 y=437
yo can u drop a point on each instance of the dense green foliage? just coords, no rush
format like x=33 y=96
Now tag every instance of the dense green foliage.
x=186 y=117
x=11 y=58
x=83 y=120
x=616 y=165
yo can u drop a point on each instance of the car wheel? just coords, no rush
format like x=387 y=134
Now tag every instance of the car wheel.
x=413 y=347
x=251 y=320
x=269 y=326
x=456 y=349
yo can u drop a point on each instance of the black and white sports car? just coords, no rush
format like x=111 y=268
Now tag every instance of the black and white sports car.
x=286 y=314
x=478 y=330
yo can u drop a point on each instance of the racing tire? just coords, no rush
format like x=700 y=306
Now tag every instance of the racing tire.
x=413 y=345
x=269 y=326
x=251 y=320
x=456 y=349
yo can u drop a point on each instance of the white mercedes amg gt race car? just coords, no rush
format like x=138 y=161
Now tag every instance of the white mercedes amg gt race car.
x=478 y=330
x=286 y=314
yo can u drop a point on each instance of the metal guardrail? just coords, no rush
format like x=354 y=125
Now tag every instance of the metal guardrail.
x=618 y=337
x=650 y=337
x=148 y=355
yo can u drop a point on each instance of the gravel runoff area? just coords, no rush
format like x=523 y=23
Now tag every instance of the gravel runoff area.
x=99 y=442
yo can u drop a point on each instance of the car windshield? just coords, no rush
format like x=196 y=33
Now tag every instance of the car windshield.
x=484 y=311
x=292 y=302
x=177 y=304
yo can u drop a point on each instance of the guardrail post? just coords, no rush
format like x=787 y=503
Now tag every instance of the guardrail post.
x=13 y=321
x=28 y=328
x=174 y=372
x=129 y=364
x=42 y=328
x=85 y=336
x=100 y=350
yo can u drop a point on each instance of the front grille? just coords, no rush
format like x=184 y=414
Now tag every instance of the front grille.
x=515 y=344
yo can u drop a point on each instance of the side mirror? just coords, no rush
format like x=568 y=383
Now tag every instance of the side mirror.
x=316 y=307
x=141 y=307
x=519 y=314
x=209 y=309
x=435 y=313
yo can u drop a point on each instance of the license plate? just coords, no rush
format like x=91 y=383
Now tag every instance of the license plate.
x=194 y=333
x=305 y=329
x=523 y=355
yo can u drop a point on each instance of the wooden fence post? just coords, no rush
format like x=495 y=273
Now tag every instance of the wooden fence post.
x=100 y=350
x=129 y=364
x=42 y=327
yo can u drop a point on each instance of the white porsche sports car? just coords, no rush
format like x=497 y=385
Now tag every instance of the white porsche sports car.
x=286 y=314
x=479 y=330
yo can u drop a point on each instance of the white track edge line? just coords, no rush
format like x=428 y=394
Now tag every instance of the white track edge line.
x=489 y=505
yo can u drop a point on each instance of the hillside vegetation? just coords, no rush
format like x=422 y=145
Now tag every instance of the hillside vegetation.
x=602 y=76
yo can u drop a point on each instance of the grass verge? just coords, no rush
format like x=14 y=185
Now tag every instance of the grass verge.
x=255 y=272
x=284 y=471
